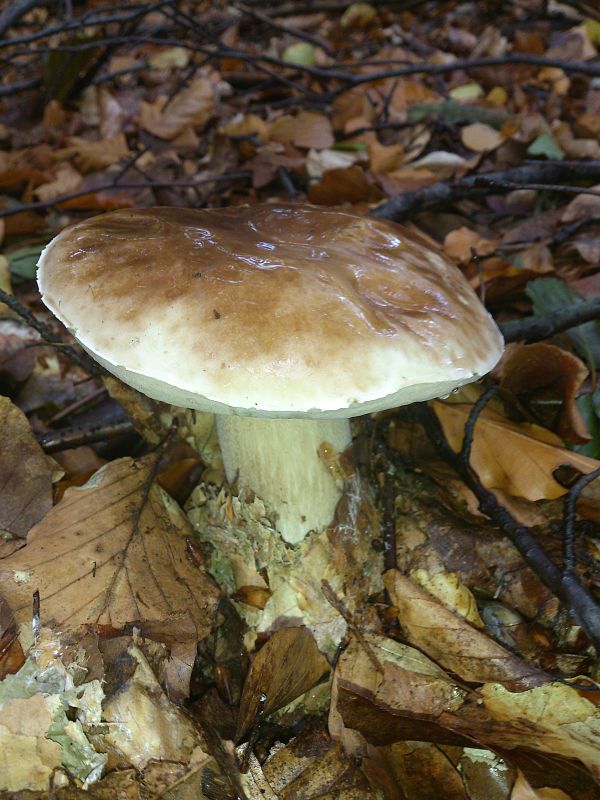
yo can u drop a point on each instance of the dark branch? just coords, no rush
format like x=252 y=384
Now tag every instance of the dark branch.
x=565 y=585
x=404 y=205
x=533 y=329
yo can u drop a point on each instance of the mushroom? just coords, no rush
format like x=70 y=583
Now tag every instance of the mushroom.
x=285 y=321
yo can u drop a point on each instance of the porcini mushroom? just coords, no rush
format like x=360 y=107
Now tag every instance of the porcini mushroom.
x=285 y=321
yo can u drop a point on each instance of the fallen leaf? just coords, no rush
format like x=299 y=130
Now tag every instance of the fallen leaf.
x=583 y=205
x=554 y=718
x=26 y=473
x=547 y=372
x=110 y=553
x=480 y=137
x=518 y=458
x=305 y=129
x=11 y=652
x=288 y=665
x=90 y=156
x=459 y=243
x=451 y=641
x=523 y=790
x=144 y=724
x=448 y=589
x=66 y=179
x=346 y=185
x=168 y=118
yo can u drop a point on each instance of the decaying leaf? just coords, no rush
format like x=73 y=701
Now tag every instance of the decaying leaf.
x=345 y=185
x=26 y=473
x=111 y=552
x=452 y=641
x=306 y=129
x=518 y=458
x=555 y=717
x=190 y=107
x=144 y=724
x=523 y=790
x=11 y=652
x=288 y=665
x=546 y=371
x=90 y=156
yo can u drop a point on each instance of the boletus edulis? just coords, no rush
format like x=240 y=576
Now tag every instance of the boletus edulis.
x=283 y=320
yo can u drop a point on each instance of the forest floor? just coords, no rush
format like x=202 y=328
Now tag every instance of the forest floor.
x=445 y=628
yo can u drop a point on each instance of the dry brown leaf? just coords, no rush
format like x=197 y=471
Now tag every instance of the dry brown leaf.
x=448 y=589
x=345 y=185
x=583 y=205
x=26 y=473
x=480 y=137
x=451 y=641
x=528 y=368
x=11 y=652
x=66 y=179
x=306 y=129
x=553 y=718
x=288 y=665
x=424 y=772
x=517 y=457
x=111 y=552
x=190 y=107
x=459 y=242
x=91 y=156
x=523 y=790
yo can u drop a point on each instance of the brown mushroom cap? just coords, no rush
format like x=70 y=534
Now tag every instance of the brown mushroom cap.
x=268 y=310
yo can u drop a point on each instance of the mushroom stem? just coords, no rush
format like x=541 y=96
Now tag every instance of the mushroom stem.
x=279 y=460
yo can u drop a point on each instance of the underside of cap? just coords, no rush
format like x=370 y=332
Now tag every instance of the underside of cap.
x=279 y=311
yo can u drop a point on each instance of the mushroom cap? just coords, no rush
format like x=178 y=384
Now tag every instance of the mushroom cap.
x=268 y=310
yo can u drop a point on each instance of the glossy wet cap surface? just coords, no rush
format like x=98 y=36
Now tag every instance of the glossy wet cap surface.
x=272 y=309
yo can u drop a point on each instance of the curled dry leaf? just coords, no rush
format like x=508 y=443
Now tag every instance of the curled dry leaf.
x=452 y=641
x=529 y=368
x=518 y=458
x=346 y=185
x=192 y=106
x=111 y=552
x=523 y=790
x=90 y=156
x=26 y=473
x=66 y=179
x=460 y=243
x=288 y=665
x=306 y=129
x=11 y=652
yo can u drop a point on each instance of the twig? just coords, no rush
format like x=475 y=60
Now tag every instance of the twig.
x=544 y=173
x=569 y=518
x=67 y=438
x=283 y=28
x=566 y=586
x=16 y=10
x=113 y=187
x=81 y=359
x=533 y=329
x=336 y=603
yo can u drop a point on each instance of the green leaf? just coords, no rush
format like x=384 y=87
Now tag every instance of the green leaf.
x=551 y=294
x=23 y=262
x=300 y=53
x=546 y=145
x=64 y=71
x=589 y=406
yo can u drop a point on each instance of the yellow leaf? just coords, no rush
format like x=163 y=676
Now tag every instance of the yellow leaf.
x=517 y=457
x=448 y=589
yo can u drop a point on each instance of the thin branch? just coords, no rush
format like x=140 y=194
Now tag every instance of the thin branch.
x=566 y=586
x=534 y=329
x=283 y=28
x=544 y=173
x=569 y=518
x=66 y=438
x=113 y=187
x=81 y=359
